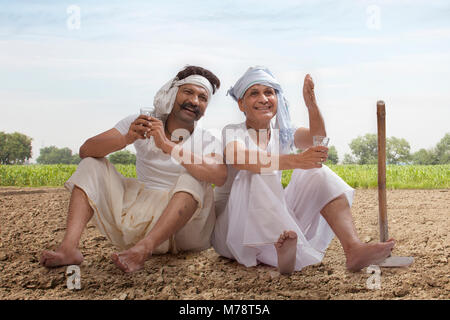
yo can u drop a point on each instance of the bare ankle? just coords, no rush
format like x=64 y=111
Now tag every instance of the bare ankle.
x=349 y=247
x=67 y=246
x=147 y=245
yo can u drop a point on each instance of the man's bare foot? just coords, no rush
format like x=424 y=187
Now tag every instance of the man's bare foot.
x=61 y=257
x=286 y=247
x=365 y=254
x=131 y=260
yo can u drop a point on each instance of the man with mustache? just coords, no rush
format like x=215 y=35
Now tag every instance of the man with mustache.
x=170 y=206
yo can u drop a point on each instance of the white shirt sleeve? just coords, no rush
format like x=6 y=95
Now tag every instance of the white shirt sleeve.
x=124 y=125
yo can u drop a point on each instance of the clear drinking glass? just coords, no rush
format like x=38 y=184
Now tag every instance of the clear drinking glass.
x=320 y=141
x=148 y=111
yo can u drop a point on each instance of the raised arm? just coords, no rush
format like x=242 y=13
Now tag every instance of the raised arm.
x=303 y=137
x=112 y=140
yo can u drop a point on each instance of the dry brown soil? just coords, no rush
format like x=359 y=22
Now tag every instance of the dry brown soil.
x=33 y=219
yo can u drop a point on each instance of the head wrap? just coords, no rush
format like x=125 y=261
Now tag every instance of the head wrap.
x=262 y=75
x=165 y=97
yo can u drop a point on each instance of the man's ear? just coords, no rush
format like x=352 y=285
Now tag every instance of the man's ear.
x=241 y=105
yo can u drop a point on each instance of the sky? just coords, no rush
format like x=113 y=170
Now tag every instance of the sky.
x=70 y=70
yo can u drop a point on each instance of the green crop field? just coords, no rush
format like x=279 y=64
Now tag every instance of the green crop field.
x=46 y=175
x=357 y=176
x=397 y=177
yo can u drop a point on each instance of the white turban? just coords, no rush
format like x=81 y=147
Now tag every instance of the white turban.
x=262 y=75
x=165 y=97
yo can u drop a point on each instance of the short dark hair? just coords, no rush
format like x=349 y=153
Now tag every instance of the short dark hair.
x=190 y=70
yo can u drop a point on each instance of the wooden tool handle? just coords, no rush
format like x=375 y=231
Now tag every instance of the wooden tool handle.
x=382 y=205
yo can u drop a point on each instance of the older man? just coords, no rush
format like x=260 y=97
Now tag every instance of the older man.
x=258 y=221
x=170 y=206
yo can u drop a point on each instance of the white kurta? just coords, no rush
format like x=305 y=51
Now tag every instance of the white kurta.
x=253 y=210
x=127 y=209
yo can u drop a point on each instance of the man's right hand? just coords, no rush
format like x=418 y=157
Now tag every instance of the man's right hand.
x=312 y=157
x=138 y=129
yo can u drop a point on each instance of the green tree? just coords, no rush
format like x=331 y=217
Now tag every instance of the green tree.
x=423 y=156
x=54 y=155
x=3 y=149
x=75 y=159
x=348 y=159
x=397 y=151
x=443 y=150
x=123 y=157
x=332 y=155
x=365 y=148
x=15 y=148
x=440 y=154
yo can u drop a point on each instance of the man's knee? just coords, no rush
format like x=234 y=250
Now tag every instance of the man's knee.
x=317 y=176
x=337 y=204
x=89 y=165
x=92 y=162
x=185 y=201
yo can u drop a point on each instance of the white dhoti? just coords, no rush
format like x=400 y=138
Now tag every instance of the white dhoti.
x=125 y=211
x=258 y=210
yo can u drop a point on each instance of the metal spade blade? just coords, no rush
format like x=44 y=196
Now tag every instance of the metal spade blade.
x=397 y=262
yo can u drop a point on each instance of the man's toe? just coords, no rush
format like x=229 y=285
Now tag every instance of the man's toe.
x=122 y=266
x=45 y=258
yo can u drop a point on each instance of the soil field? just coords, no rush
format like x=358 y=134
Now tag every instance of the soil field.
x=33 y=219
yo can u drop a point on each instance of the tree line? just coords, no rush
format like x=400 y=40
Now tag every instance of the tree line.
x=365 y=151
x=15 y=148
x=53 y=155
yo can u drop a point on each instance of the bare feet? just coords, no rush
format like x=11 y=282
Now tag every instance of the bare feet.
x=366 y=254
x=61 y=257
x=131 y=260
x=286 y=247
